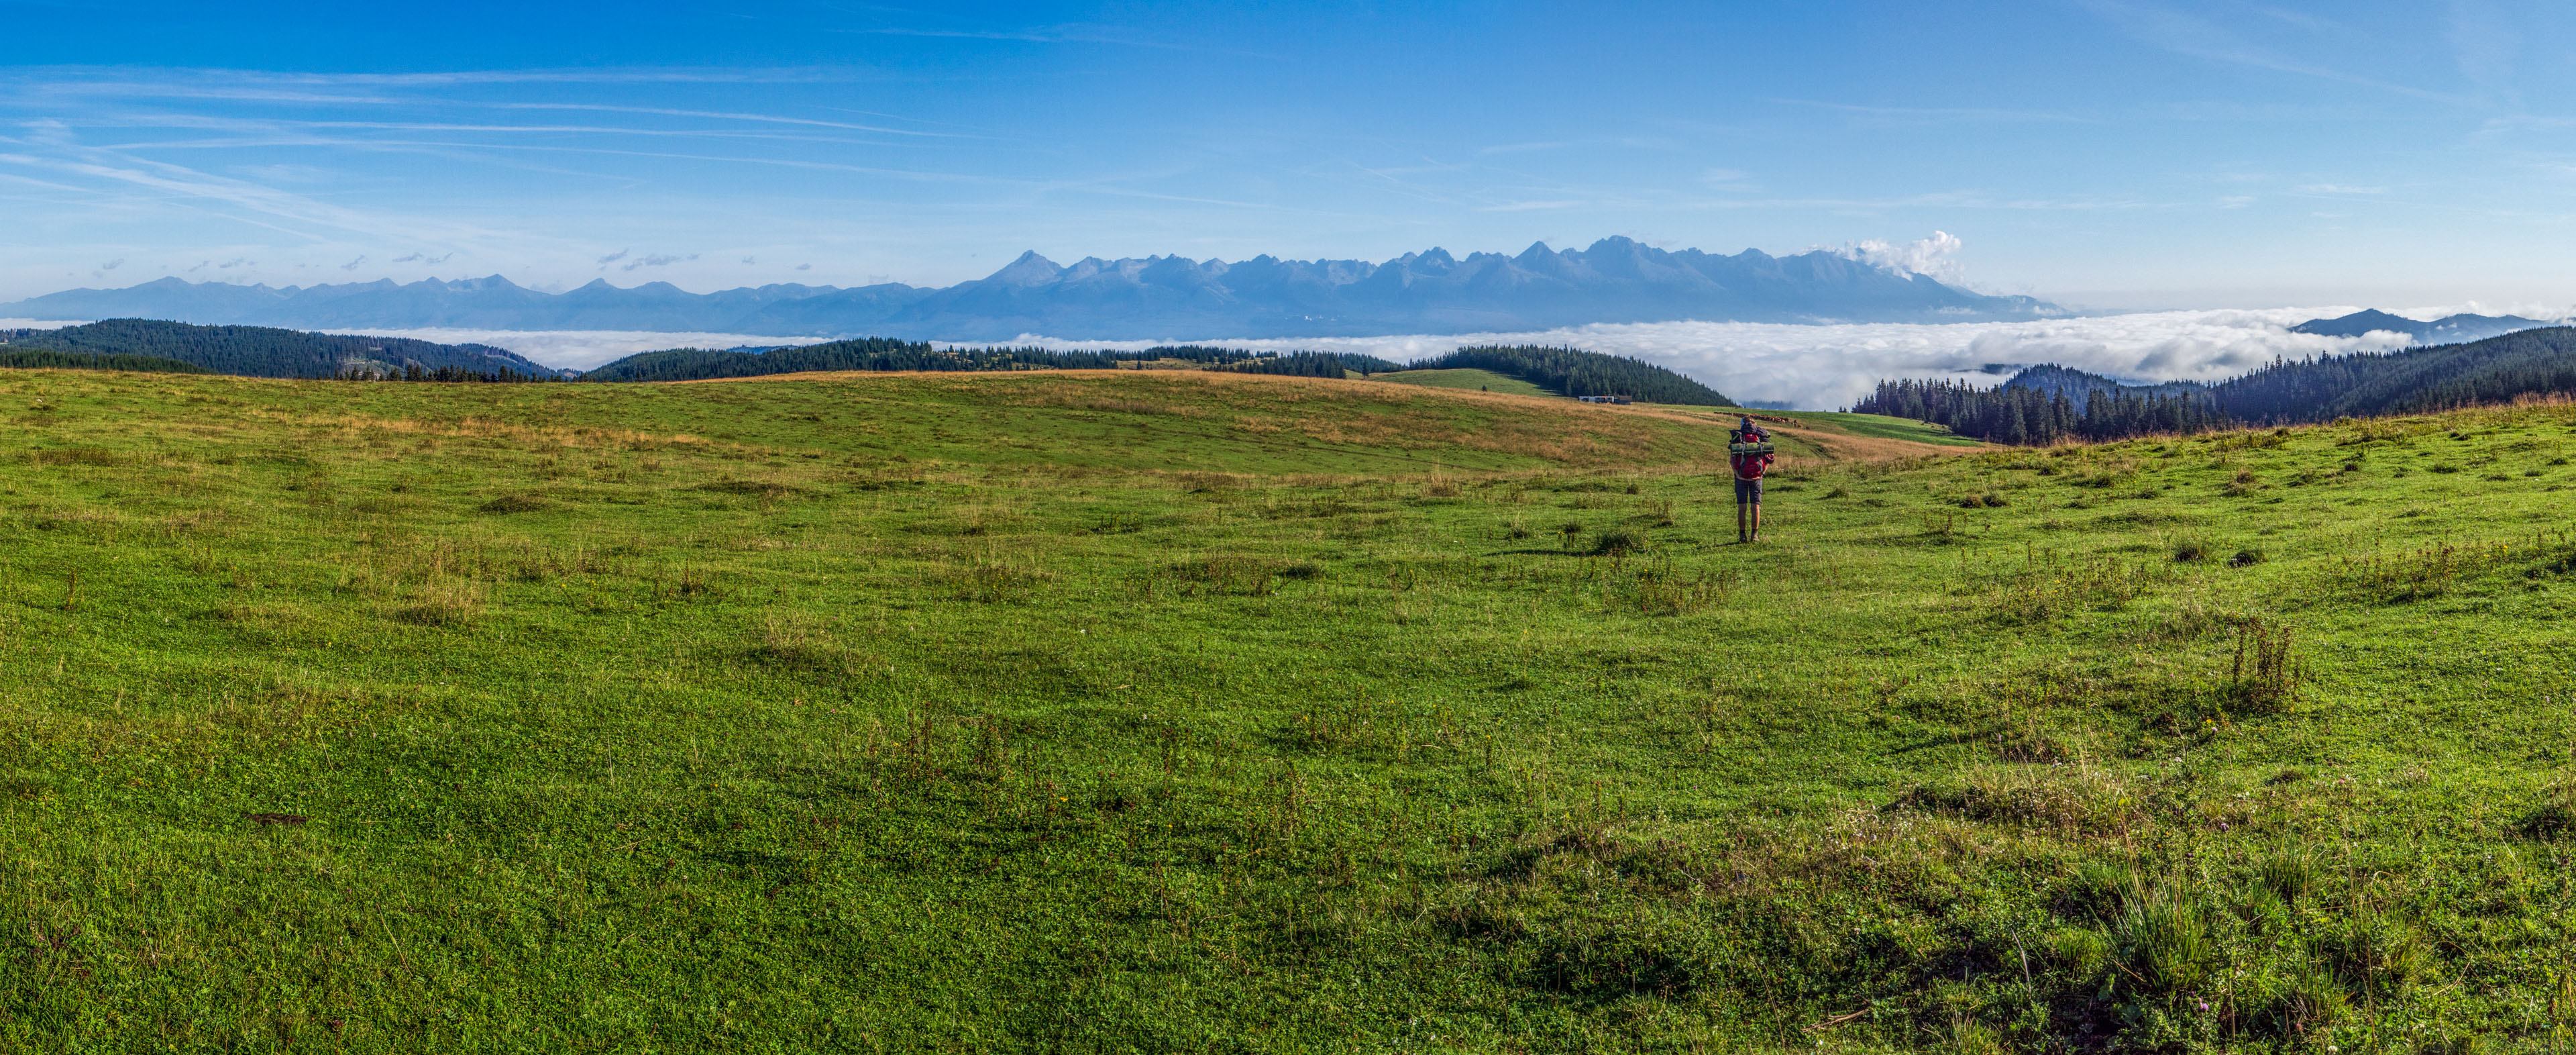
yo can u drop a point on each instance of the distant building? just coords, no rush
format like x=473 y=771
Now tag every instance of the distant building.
x=1620 y=400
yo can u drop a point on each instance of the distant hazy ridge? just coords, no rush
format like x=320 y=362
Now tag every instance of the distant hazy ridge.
x=1616 y=280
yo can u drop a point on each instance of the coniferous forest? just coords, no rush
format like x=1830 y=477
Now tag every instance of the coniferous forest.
x=880 y=354
x=2017 y=415
x=2034 y=407
x=262 y=351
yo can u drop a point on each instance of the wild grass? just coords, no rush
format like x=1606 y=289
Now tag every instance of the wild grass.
x=1164 y=713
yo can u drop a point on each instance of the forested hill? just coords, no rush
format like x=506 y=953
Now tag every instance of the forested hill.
x=1570 y=371
x=2495 y=370
x=2046 y=404
x=1576 y=372
x=888 y=354
x=22 y=358
x=259 y=351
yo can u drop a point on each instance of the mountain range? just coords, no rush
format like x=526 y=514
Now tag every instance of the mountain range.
x=2449 y=329
x=1614 y=280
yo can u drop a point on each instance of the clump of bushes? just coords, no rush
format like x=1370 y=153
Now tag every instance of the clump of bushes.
x=1616 y=541
x=2191 y=551
x=2248 y=556
x=1988 y=500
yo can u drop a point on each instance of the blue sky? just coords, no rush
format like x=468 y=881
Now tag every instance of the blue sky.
x=2102 y=152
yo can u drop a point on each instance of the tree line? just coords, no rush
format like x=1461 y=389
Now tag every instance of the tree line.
x=263 y=351
x=2017 y=415
x=881 y=354
x=2285 y=392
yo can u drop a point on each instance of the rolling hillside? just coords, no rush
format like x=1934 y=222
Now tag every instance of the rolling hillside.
x=1179 y=711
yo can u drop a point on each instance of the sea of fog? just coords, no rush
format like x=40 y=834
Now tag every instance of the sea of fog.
x=1787 y=366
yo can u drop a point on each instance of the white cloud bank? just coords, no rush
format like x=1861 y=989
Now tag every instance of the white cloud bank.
x=1937 y=256
x=1827 y=367
x=1806 y=367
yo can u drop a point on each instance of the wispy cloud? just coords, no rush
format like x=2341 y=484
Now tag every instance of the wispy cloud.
x=2188 y=34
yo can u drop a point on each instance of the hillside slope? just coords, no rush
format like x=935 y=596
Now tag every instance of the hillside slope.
x=486 y=718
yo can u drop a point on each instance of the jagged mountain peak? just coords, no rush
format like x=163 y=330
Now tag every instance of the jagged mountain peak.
x=1614 y=280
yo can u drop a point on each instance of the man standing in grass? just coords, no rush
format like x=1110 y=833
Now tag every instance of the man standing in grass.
x=1748 y=450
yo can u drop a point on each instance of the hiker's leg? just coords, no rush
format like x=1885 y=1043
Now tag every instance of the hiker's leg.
x=1740 y=507
x=1757 y=522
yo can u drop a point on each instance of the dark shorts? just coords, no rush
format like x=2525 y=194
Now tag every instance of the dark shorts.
x=1748 y=491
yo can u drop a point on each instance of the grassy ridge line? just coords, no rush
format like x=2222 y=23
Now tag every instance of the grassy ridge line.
x=1479 y=380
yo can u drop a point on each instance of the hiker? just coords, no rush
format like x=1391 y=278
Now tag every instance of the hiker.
x=1748 y=450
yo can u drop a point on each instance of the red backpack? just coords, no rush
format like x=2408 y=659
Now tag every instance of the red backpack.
x=1750 y=453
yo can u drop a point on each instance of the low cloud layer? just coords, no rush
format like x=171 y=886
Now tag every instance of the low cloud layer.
x=1827 y=367
x=1801 y=367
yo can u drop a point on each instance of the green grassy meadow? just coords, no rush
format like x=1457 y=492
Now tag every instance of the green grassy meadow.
x=1146 y=711
x=1479 y=380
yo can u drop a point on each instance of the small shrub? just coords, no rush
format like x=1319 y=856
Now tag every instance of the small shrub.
x=1617 y=541
x=2371 y=954
x=1839 y=491
x=515 y=504
x=2292 y=873
x=2098 y=890
x=2265 y=674
x=2080 y=952
x=2554 y=817
x=2167 y=938
x=2310 y=999
x=1515 y=530
x=2247 y=557
x=443 y=604
x=2191 y=551
x=2445 y=467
